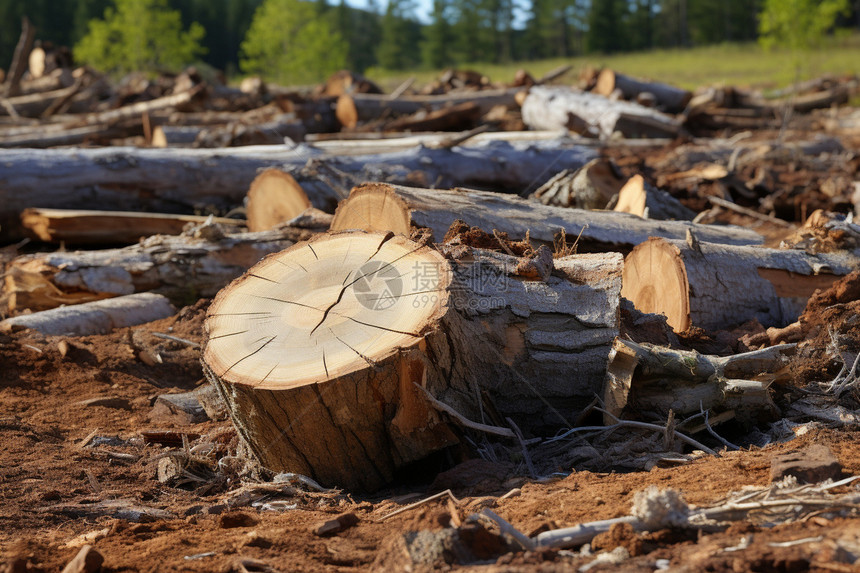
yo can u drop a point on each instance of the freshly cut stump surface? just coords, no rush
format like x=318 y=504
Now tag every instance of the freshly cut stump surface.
x=314 y=351
x=320 y=310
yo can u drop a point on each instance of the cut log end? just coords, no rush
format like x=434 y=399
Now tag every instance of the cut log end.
x=321 y=310
x=632 y=197
x=373 y=207
x=655 y=281
x=274 y=198
x=346 y=111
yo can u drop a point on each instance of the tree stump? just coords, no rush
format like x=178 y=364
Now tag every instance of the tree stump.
x=333 y=355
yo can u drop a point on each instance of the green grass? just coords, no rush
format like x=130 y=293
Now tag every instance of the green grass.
x=742 y=65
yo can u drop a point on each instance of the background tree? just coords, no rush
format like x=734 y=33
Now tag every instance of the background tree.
x=798 y=25
x=289 y=42
x=398 y=47
x=140 y=35
x=436 y=45
x=607 y=22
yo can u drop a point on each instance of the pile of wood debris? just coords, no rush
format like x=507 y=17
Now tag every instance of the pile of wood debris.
x=648 y=277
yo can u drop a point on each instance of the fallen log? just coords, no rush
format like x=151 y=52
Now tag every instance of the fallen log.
x=564 y=108
x=712 y=286
x=98 y=317
x=352 y=109
x=78 y=227
x=652 y=380
x=455 y=118
x=331 y=355
x=669 y=98
x=58 y=136
x=187 y=180
x=592 y=186
x=273 y=199
x=380 y=207
x=643 y=199
x=183 y=268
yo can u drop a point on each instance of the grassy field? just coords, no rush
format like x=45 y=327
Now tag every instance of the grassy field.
x=729 y=64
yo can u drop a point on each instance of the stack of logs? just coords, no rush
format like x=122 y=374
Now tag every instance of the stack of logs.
x=414 y=289
x=377 y=336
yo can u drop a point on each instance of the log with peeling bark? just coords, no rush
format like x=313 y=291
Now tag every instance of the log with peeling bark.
x=338 y=357
x=356 y=108
x=643 y=199
x=182 y=267
x=713 y=286
x=643 y=379
x=273 y=199
x=589 y=113
x=592 y=186
x=185 y=180
x=669 y=98
x=278 y=131
x=381 y=207
x=79 y=227
x=97 y=317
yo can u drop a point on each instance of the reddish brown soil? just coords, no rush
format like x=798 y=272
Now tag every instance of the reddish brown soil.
x=46 y=478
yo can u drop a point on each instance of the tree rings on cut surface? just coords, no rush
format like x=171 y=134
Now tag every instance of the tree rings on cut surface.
x=322 y=309
x=317 y=351
x=274 y=198
x=373 y=207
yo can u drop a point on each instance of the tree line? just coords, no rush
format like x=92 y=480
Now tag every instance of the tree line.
x=300 y=41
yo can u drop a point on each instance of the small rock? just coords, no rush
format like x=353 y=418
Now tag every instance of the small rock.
x=340 y=523
x=813 y=464
x=107 y=402
x=237 y=519
x=182 y=409
x=169 y=470
x=88 y=560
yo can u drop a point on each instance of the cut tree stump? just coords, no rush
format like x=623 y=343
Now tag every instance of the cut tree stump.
x=643 y=379
x=588 y=113
x=669 y=98
x=381 y=207
x=328 y=354
x=721 y=286
x=98 y=317
x=592 y=186
x=274 y=198
x=108 y=227
x=182 y=267
x=643 y=199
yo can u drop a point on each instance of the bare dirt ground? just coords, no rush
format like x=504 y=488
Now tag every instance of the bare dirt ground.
x=73 y=473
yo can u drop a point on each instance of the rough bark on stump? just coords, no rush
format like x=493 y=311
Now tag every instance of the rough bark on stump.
x=720 y=286
x=182 y=267
x=317 y=350
x=381 y=207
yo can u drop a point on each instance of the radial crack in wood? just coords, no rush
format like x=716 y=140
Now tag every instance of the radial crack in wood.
x=317 y=350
